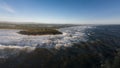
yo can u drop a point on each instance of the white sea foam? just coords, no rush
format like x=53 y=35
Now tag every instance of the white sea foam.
x=70 y=35
x=12 y=51
x=11 y=43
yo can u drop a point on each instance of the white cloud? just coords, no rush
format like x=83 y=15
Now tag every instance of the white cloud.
x=6 y=7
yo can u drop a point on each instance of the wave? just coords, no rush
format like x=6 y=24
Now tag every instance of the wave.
x=12 y=43
x=13 y=51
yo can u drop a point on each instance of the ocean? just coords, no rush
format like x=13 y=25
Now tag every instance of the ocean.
x=86 y=46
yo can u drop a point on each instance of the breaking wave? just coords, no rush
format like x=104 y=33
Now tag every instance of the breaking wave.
x=12 y=43
x=13 y=51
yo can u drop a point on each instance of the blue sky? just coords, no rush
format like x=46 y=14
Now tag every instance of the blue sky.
x=61 y=11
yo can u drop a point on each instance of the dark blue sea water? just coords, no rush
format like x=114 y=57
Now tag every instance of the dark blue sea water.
x=102 y=50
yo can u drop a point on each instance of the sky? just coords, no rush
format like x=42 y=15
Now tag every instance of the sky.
x=61 y=11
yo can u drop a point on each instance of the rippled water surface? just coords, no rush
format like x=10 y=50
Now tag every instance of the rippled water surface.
x=79 y=46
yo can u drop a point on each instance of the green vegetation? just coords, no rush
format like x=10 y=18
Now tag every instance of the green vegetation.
x=41 y=31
